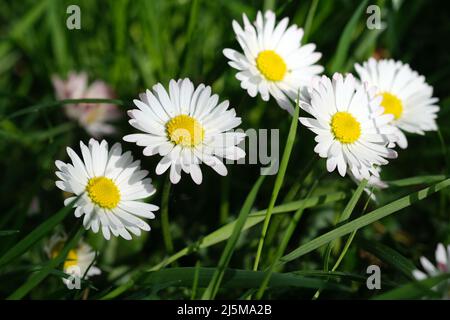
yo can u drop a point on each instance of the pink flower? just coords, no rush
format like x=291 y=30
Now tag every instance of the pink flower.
x=93 y=117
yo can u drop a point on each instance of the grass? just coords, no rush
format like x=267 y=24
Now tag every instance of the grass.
x=233 y=237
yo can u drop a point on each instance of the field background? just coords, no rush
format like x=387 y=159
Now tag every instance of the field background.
x=134 y=44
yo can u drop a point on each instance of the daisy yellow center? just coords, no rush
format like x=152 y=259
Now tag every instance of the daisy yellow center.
x=392 y=104
x=345 y=127
x=71 y=258
x=271 y=65
x=185 y=131
x=103 y=192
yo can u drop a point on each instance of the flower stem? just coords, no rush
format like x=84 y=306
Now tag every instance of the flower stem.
x=165 y=225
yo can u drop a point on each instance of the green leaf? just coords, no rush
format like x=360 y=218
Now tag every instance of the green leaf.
x=365 y=220
x=214 y=285
x=346 y=39
x=36 y=235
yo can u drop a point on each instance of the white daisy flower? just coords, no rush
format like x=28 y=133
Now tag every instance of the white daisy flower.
x=405 y=95
x=274 y=61
x=442 y=267
x=111 y=186
x=352 y=131
x=186 y=127
x=79 y=260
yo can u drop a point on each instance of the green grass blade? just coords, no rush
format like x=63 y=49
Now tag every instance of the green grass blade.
x=37 y=234
x=282 y=247
x=416 y=180
x=22 y=25
x=233 y=278
x=224 y=233
x=388 y=255
x=346 y=39
x=195 y=282
x=278 y=183
x=57 y=26
x=214 y=285
x=255 y=218
x=345 y=215
x=365 y=220
x=4 y=233
x=415 y=289
x=309 y=20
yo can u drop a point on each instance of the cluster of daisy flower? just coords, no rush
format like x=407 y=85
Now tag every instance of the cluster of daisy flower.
x=357 y=122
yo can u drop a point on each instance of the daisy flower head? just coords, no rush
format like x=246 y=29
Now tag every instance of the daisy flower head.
x=273 y=62
x=110 y=187
x=405 y=95
x=187 y=127
x=352 y=132
x=93 y=117
x=79 y=260
x=442 y=267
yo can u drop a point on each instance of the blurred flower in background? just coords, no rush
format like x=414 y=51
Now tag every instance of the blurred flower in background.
x=81 y=257
x=93 y=117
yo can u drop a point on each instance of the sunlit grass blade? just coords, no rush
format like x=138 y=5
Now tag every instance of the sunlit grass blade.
x=216 y=279
x=36 y=235
x=278 y=183
x=365 y=220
